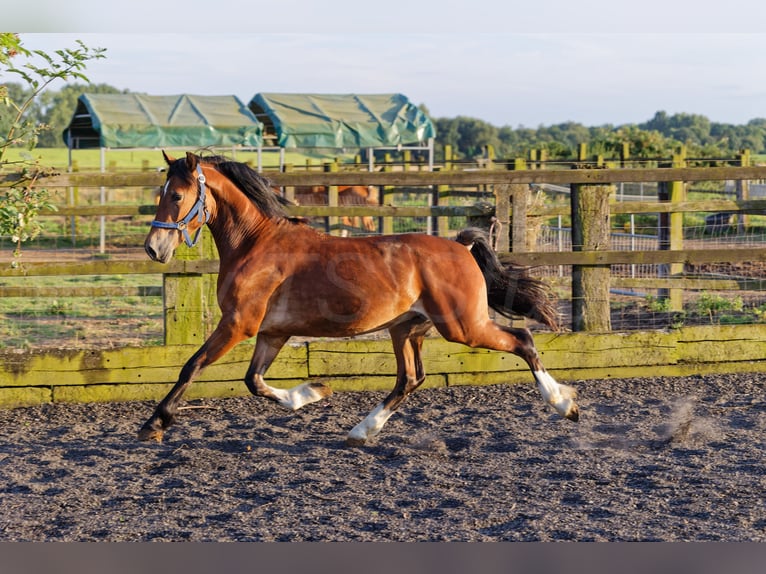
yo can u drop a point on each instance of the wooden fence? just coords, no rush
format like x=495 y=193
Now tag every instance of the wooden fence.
x=135 y=373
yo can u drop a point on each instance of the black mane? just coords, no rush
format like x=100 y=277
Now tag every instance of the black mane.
x=256 y=187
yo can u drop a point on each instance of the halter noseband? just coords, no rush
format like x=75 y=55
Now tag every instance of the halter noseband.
x=198 y=209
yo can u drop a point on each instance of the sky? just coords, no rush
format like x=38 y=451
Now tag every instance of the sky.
x=500 y=61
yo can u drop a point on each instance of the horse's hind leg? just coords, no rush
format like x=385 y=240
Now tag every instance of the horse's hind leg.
x=490 y=335
x=560 y=397
x=266 y=350
x=407 y=339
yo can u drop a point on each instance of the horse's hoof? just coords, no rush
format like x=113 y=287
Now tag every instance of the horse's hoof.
x=321 y=389
x=354 y=441
x=150 y=434
x=573 y=414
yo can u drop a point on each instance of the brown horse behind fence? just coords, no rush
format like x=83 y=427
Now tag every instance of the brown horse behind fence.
x=279 y=278
x=347 y=195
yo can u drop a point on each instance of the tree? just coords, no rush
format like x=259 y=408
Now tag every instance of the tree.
x=22 y=201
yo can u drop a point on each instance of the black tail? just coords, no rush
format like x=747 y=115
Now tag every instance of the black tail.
x=509 y=289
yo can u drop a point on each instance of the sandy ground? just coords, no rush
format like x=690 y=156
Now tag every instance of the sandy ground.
x=662 y=459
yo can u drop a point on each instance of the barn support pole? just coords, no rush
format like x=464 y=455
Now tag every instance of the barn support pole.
x=102 y=201
x=590 y=232
x=671 y=233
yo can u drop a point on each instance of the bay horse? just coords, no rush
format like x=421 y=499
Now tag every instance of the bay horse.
x=279 y=278
x=347 y=195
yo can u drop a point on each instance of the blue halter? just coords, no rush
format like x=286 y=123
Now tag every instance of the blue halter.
x=198 y=209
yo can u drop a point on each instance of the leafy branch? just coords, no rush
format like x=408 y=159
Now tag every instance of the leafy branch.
x=22 y=201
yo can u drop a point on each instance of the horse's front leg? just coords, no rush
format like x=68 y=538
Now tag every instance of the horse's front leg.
x=266 y=350
x=220 y=342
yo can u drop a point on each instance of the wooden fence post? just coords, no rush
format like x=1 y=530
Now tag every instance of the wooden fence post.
x=511 y=199
x=386 y=198
x=519 y=201
x=582 y=152
x=73 y=200
x=537 y=158
x=448 y=157
x=187 y=302
x=624 y=154
x=502 y=216
x=671 y=232
x=590 y=232
x=743 y=190
x=332 y=201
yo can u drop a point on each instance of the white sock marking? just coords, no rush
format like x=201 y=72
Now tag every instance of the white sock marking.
x=371 y=425
x=561 y=397
x=297 y=397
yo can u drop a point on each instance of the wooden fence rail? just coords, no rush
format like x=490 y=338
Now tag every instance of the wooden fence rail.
x=423 y=178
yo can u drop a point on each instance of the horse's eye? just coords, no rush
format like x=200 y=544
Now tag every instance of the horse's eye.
x=176 y=196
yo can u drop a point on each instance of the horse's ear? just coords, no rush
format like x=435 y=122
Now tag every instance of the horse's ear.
x=191 y=161
x=168 y=159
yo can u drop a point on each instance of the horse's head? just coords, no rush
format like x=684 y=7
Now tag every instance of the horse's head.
x=182 y=209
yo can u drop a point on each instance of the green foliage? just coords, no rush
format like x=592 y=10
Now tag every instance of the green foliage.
x=722 y=310
x=22 y=201
x=711 y=303
x=19 y=208
x=66 y=64
x=657 y=138
x=657 y=304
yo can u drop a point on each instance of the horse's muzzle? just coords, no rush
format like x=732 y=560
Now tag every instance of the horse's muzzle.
x=156 y=252
x=150 y=252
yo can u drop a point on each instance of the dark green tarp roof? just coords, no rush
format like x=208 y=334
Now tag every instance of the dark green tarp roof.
x=341 y=120
x=136 y=120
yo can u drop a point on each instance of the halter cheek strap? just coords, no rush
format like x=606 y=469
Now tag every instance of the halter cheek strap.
x=199 y=210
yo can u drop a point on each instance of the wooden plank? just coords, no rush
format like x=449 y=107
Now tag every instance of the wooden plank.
x=690 y=283
x=138 y=365
x=422 y=178
x=607 y=350
x=154 y=392
x=109 y=267
x=440 y=356
x=97 y=210
x=574 y=374
x=491 y=177
x=374 y=383
x=637 y=257
x=81 y=291
x=700 y=345
x=351 y=357
x=479 y=210
x=147 y=373
x=24 y=396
